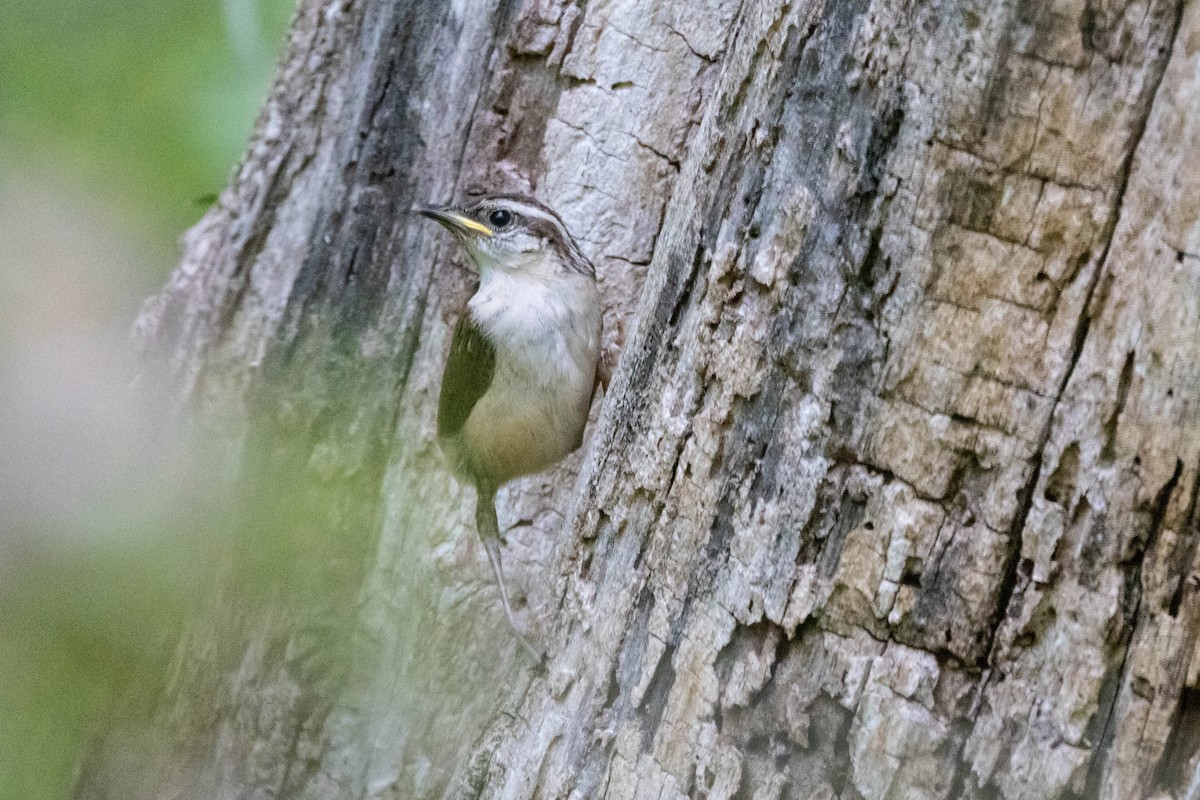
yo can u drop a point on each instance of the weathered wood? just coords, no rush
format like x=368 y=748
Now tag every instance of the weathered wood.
x=894 y=492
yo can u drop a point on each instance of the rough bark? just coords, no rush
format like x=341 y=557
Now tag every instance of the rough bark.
x=894 y=494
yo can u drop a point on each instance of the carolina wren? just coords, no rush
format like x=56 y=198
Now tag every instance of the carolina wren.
x=525 y=357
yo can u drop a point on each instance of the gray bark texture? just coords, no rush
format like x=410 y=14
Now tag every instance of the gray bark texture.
x=894 y=492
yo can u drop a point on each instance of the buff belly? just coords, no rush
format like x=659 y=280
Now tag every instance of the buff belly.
x=510 y=434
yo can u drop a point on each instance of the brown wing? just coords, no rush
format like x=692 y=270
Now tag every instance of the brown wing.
x=468 y=375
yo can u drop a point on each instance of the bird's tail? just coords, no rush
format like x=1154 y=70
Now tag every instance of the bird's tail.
x=489 y=531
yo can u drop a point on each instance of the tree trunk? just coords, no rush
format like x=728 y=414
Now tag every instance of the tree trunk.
x=894 y=494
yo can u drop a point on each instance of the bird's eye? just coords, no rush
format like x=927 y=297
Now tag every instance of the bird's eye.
x=500 y=218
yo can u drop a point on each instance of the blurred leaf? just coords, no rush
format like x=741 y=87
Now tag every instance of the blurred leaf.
x=119 y=122
x=150 y=100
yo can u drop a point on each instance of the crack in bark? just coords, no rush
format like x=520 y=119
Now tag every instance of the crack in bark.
x=1133 y=620
x=1080 y=337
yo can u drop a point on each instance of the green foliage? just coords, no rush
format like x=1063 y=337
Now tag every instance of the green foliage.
x=139 y=111
x=151 y=102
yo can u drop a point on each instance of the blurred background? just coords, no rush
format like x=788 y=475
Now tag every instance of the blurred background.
x=120 y=121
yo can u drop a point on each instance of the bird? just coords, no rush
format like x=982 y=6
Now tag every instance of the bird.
x=525 y=356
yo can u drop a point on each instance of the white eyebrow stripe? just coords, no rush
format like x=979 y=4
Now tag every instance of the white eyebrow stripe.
x=533 y=211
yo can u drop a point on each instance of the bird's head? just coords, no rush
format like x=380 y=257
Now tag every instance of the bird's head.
x=512 y=233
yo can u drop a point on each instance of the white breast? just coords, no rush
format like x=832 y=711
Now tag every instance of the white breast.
x=546 y=332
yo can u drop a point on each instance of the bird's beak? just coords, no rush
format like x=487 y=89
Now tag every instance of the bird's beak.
x=454 y=220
